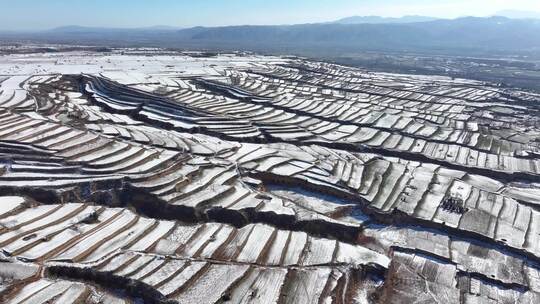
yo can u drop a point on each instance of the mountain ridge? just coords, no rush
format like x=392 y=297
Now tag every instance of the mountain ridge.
x=384 y=20
x=461 y=36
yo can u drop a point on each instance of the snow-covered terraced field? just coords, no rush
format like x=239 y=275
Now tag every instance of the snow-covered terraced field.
x=168 y=177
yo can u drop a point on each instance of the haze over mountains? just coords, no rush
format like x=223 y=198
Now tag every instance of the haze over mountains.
x=409 y=33
x=382 y=20
x=518 y=14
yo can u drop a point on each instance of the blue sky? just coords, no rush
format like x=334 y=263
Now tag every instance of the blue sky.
x=44 y=14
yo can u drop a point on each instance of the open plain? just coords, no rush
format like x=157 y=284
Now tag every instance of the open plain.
x=186 y=177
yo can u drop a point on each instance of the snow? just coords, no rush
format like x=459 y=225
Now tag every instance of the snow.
x=30 y=289
x=149 y=239
x=67 y=212
x=91 y=241
x=262 y=285
x=116 y=262
x=10 y=203
x=295 y=247
x=75 y=292
x=148 y=269
x=254 y=247
x=256 y=258
x=181 y=278
x=47 y=294
x=27 y=216
x=308 y=286
x=209 y=286
x=140 y=229
x=199 y=241
x=170 y=268
x=460 y=189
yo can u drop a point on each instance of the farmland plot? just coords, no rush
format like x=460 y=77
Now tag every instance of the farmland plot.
x=171 y=177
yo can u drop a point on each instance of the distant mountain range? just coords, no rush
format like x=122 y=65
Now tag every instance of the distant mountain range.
x=495 y=33
x=412 y=33
x=382 y=20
